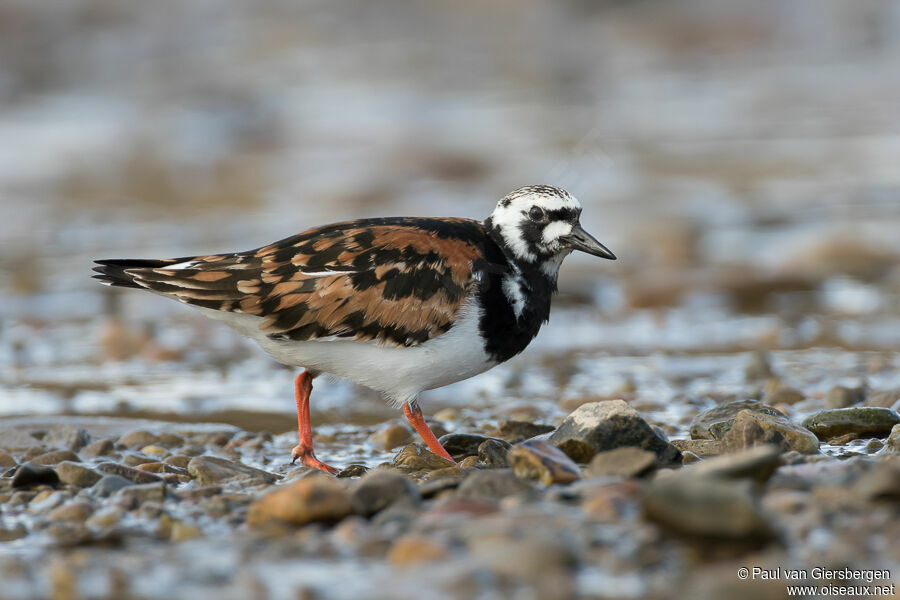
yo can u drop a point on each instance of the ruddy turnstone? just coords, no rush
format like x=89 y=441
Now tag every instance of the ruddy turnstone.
x=399 y=305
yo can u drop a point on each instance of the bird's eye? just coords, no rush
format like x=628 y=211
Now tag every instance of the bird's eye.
x=536 y=213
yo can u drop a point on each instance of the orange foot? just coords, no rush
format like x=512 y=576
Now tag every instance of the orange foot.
x=308 y=458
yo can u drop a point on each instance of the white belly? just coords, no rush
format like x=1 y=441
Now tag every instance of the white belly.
x=398 y=373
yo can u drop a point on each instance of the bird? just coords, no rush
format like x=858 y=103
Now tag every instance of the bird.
x=400 y=305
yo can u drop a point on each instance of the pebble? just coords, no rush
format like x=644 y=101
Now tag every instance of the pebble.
x=72 y=511
x=170 y=440
x=109 y=484
x=751 y=428
x=138 y=439
x=211 y=469
x=6 y=460
x=542 y=461
x=414 y=549
x=55 y=457
x=76 y=474
x=598 y=426
x=494 y=484
x=893 y=441
x=626 y=461
x=843 y=397
x=105 y=517
x=869 y=421
x=178 y=460
x=181 y=531
x=46 y=500
x=29 y=475
x=518 y=431
x=134 y=496
x=154 y=450
x=714 y=423
x=884 y=398
x=706 y=507
x=413 y=458
x=531 y=558
x=758 y=463
x=391 y=436
x=380 y=489
x=65 y=436
x=492 y=454
x=129 y=473
x=98 y=448
x=612 y=502
x=701 y=448
x=311 y=499
x=460 y=445
x=353 y=471
x=13 y=532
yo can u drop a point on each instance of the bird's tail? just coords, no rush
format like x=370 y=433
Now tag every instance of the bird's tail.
x=114 y=271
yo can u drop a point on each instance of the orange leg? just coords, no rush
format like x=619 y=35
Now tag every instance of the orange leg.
x=414 y=415
x=304 y=450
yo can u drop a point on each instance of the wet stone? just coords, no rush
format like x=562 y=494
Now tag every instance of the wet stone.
x=311 y=499
x=494 y=484
x=134 y=496
x=380 y=489
x=98 y=448
x=871 y=421
x=758 y=464
x=12 y=532
x=138 y=439
x=129 y=473
x=170 y=440
x=518 y=431
x=29 y=475
x=130 y=459
x=55 y=457
x=460 y=445
x=531 y=558
x=627 y=461
x=492 y=454
x=542 y=461
x=701 y=448
x=109 y=484
x=391 y=436
x=706 y=507
x=414 y=458
x=714 y=423
x=76 y=474
x=599 y=426
x=178 y=460
x=893 y=441
x=353 y=471
x=843 y=397
x=746 y=432
x=414 y=549
x=752 y=428
x=46 y=501
x=72 y=511
x=211 y=469
x=6 y=460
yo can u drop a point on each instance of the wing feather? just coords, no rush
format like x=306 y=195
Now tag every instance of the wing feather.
x=398 y=282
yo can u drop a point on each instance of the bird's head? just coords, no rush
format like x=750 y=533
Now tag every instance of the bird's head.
x=539 y=225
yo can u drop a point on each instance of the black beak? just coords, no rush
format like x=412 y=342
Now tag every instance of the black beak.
x=579 y=239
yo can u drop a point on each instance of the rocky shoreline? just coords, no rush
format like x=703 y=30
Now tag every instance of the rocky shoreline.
x=603 y=505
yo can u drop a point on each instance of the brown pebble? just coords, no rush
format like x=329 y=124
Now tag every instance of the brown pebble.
x=129 y=473
x=55 y=457
x=72 y=511
x=6 y=460
x=178 y=460
x=541 y=460
x=414 y=549
x=311 y=499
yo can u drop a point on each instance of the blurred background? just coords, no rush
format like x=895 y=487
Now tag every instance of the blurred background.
x=741 y=158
